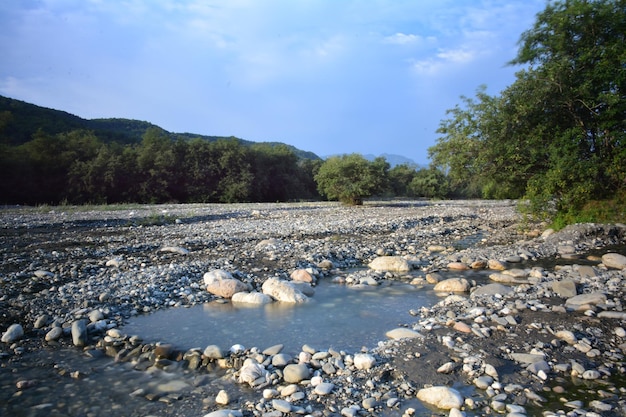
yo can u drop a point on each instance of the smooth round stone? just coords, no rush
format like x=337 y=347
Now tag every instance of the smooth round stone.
x=273 y=350
x=13 y=333
x=324 y=388
x=458 y=266
x=591 y=374
x=213 y=352
x=288 y=390
x=441 y=397
x=281 y=405
x=95 y=315
x=79 y=333
x=41 y=321
x=225 y=413
x=222 y=398
x=280 y=360
x=369 y=403
x=53 y=334
x=402 y=333
x=614 y=260
x=483 y=382
x=364 y=361
x=295 y=373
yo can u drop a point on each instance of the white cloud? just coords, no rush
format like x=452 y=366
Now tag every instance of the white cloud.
x=402 y=39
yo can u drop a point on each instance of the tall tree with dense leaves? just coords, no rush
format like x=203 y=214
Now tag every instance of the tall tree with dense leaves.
x=350 y=178
x=576 y=57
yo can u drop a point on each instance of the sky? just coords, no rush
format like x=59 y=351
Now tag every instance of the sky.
x=326 y=76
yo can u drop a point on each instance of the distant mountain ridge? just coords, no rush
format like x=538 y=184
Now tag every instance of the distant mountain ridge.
x=394 y=159
x=19 y=120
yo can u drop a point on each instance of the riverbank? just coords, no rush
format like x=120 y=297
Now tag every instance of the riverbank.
x=64 y=265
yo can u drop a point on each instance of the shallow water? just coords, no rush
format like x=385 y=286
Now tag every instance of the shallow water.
x=344 y=318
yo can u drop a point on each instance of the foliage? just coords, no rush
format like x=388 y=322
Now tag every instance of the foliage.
x=557 y=135
x=430 y=183
x=351 y=178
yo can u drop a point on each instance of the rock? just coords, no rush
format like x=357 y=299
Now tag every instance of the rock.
x=585 y=299
x=458 y=266
x=79 y=333
x=326 y=264
x=527 y=358
x=283 y=291
x=251 y=371
x=433 y=278
x=175 y=249
x=324 y=388
x=54 y=334
x=436 y=248
x=364 y=361
x=222 y=398
x=516 y=273
x=254 y=297
x=213 y=352
x=491 y=289
x=390 y=264
x=614 y=260
x=216 y=275
x=402 y=333
x=225 y=413
x=295 y=373
x=447 y=368
x=506 y=278
x=566 y=336
x=483 y=382
x=41 y=321
x=281 y=360
x=163 y=351
x=302 y=275
x=565 y=288
x=441 y=397
x=226 y=288
x=495 y=265
x=459 y=326
x=95 y=315
x=13 y=333
x=453 y=285
x=273 y=350
x=282 y=406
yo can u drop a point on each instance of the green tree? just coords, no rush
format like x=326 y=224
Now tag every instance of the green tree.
x=400 y=177
x=350 y=178
x=429 y=183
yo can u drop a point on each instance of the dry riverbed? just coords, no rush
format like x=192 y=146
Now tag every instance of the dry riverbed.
x=530 y=340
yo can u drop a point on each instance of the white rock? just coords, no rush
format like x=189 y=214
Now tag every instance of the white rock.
x=390 y=264
x=364 y=361
x=402 y=333
x=283 y=291
x=254 y=298
x=225 y=413
x=13 y=333
x=441 y=397
x=175 y=249
x=216 y=275
x=222 y=398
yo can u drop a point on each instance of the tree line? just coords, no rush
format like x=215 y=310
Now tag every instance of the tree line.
x=77 y=167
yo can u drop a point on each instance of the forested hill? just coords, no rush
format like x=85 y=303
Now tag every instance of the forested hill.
x=20 y=120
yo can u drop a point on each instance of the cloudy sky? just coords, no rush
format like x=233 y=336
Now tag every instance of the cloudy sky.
x=328 y=76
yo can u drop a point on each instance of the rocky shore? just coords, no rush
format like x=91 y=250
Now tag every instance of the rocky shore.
x=531 y=341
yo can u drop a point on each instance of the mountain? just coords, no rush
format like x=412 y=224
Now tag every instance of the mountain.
x=19 y=120
x=393 y=159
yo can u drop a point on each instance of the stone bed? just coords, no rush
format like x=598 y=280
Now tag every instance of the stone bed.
x=537 y=341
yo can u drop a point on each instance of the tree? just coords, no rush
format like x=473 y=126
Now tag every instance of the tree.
x=557 y=135
x=400 y=177
x=429 y=183
x=351 y=178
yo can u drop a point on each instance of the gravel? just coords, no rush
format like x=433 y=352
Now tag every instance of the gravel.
x=71 y=276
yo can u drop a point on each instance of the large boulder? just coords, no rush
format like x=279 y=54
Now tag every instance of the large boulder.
x=283 y=291
x=13 y=333
x=302 y=275
x=441 y=397
x=390 y=264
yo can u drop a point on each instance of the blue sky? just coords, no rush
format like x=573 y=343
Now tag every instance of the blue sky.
x=327 y=76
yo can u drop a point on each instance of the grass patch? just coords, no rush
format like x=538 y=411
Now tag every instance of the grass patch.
x=598 y=211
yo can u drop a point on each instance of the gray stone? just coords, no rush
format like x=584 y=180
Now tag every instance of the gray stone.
x=280 y=360
x=526 y=357
x=282 y=406
x=213 y=352
x=585 y=299
x=294 y=373
x=253 y=297
x=565 y=288
x=225 y=413
x=491 y=289
x=324 y=388
x=53 y=334
x=79 y=333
